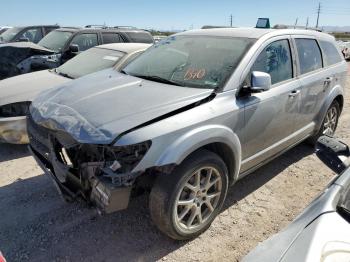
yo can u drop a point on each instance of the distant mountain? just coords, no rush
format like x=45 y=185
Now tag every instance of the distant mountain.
x=336 y=28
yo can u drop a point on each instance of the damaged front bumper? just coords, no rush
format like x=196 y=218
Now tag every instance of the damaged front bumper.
x=94 y=181
x=13 y=130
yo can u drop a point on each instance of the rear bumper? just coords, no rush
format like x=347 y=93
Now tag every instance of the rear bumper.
x=13 y=130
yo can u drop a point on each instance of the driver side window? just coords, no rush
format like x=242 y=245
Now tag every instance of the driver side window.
x=33 y=35
x=85 y=41
x=275 y=60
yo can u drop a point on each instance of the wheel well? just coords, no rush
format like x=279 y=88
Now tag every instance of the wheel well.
x=340 y=100
x=226 y=154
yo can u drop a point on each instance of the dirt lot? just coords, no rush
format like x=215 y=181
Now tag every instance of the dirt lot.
x=36 y=225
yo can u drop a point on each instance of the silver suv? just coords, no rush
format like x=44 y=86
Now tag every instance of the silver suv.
x=186 y=119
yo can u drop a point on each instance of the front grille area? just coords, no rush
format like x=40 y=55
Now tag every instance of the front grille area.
x=38 y=137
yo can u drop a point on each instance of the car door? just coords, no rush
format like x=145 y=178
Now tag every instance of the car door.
x=314 y=81
x=270 y=115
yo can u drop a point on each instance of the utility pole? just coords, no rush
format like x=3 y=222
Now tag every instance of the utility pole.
x=318 y=13
x=296 y=23
x=231 y=20
x=307 y=22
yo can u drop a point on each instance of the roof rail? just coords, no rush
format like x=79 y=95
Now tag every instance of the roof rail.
x=125 y=27
x=96 y=26
x=282 y=26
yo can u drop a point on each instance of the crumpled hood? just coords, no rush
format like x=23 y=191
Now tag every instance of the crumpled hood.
x=99 y=107
x=26 y=87
x=11 y=54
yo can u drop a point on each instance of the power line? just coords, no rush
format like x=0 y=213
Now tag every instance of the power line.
x=318 y=13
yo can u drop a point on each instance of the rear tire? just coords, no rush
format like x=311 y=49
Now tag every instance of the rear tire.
x=329 y=123
x=183 y=204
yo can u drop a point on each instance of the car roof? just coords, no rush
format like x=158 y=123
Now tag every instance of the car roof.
x=109 y=29
x=125 y=47
x=256 y=33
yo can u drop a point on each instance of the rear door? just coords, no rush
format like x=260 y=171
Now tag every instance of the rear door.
x=314 y=78
x=270 y=115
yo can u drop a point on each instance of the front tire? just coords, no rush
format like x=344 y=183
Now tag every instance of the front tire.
x=183 y=204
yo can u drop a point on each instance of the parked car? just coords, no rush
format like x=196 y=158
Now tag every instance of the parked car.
x=18 y=92
x=61 y=45
x=187 y=118
x=26 y=33
x=321 y=232
x=4 y=28
x=345 y=49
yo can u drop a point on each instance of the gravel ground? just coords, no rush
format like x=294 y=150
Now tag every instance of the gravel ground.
x=36 y=225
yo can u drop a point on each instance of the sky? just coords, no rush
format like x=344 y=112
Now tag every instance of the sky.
x=174 y=15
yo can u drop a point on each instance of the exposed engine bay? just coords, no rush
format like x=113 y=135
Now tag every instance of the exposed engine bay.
x=24 y=57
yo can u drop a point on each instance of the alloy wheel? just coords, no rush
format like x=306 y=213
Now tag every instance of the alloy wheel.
x=330 y=122
x=197 y=199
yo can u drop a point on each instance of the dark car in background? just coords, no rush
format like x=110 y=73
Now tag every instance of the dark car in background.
x=61 y=45
x=26 y=33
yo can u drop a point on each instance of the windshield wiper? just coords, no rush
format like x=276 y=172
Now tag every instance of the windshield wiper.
x=63 y=74
x=158 y=79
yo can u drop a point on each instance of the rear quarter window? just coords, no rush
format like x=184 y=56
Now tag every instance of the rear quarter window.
x=330 y=53
x=309 y=54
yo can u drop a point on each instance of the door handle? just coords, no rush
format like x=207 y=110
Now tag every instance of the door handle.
x=327 y=83
x=328 y=80
x=294 y=93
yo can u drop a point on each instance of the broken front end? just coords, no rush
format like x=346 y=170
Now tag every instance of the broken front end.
x=100 y=174
x=24 y=57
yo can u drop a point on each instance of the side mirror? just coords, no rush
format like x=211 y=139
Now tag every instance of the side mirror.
x=23 y=39
x=333 y=153
x=261 y=81
x=74 y=48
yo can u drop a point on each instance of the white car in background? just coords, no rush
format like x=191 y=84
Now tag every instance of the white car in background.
x=322 y=231
x=345 y=49
x=4 y=28
x=16 y=93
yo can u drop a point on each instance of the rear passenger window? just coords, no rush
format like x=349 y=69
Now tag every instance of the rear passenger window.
x=111 y=38
x=140 y=37
x=330 y=53
x=275 y=60
x=309 y=54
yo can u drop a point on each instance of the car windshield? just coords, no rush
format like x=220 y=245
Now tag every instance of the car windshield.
x=9 y=34
x=90 y=61
x=55 y=40
x=193 y=61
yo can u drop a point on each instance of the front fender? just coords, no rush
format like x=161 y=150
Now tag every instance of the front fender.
x=190 y=141
x=336 y=91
